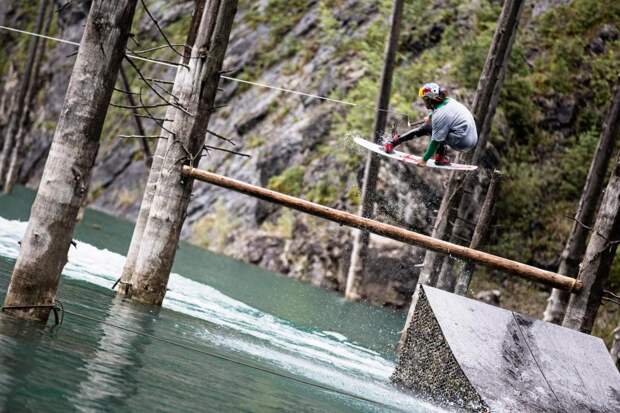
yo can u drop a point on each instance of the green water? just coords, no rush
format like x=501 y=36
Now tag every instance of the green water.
x=231 y=337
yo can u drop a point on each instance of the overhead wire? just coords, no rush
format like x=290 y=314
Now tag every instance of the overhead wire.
x=229 y=78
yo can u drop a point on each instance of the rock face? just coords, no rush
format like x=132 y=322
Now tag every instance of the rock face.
x=480 y=357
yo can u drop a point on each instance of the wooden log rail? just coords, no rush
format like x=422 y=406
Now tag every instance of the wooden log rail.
x=390 y=231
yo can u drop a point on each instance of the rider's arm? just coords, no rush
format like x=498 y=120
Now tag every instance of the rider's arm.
x=424 y=129
x=430 y=150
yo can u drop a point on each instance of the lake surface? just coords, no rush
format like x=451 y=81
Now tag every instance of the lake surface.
x=230 y=337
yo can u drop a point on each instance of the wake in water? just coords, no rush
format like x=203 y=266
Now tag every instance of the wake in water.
x=326 y=357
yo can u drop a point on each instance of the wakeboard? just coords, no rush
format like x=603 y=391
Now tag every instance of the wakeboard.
x=410 y=158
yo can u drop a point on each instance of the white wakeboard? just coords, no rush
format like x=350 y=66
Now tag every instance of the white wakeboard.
x=410 y=158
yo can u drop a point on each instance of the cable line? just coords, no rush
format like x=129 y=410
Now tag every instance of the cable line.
x=233 y=79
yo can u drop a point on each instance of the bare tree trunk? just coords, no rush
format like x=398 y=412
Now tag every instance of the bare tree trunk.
x=17 y=154
x=599 y=255
x=615 y=348
x=147 y=199
x=480 y=232
x=67 y=172
x=371 y=168
x=17 y=112
x=158 y=158
x=584 y=217
x=445 y=278
x=485 y=103
x=145 y=207
x=148 y=156
x=196 y=92
x=7 y=98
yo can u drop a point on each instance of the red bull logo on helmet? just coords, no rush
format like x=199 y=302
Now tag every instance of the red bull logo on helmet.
x=430 y=90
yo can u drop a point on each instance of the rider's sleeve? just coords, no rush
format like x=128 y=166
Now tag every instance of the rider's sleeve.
x=415 y=132
x=430 y=151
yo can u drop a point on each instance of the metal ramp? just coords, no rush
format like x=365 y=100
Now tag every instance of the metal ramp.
x=465 y=353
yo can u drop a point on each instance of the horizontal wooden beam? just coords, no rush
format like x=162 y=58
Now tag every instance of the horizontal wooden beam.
x=390 y=231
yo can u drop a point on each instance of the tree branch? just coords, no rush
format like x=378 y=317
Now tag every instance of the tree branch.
x=154 y=20
x=215 y=148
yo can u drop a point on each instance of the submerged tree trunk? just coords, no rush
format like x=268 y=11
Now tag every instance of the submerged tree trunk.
x=484 y=106
x=584 y=217
x=371 y=168
x=196 y=92
x=599 y=255
x=67 y=172
x=124 y=284
x=147 y=198
x=17 y=111
x=18 y=152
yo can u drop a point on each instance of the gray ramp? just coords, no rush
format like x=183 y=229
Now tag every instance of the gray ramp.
x=482 y=358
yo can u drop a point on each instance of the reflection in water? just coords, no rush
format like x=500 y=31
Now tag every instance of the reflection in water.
x=109 y=372
x=13 y=363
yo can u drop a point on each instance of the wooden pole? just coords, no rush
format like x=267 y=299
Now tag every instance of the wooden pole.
x=480 y=233
x=386 y=230
x=371 y=169
x=67 y=172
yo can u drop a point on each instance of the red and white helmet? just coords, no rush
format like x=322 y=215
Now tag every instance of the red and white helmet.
x=430 y=90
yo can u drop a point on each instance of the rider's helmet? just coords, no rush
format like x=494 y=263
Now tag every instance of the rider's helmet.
x=431 y=91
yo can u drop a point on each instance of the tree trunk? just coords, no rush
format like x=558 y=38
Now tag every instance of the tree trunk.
x=480 y=232
x=599 y=255
x=584 y=217
x=17 y=112
x=17 y=154
x=148 y=156
x=371 y=169
x=147 y=199
x=196 y=92
x=460 y=231
x=484 y=105
x=160 y=152
x=67 y=172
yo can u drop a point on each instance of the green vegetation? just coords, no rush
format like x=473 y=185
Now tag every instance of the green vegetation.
x=284 y=225
x=280 y=16
x=324 y=192
x=213 y=231
x=289 y=182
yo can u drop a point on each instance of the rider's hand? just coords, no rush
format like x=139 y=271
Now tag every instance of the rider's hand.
x=421 y=162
